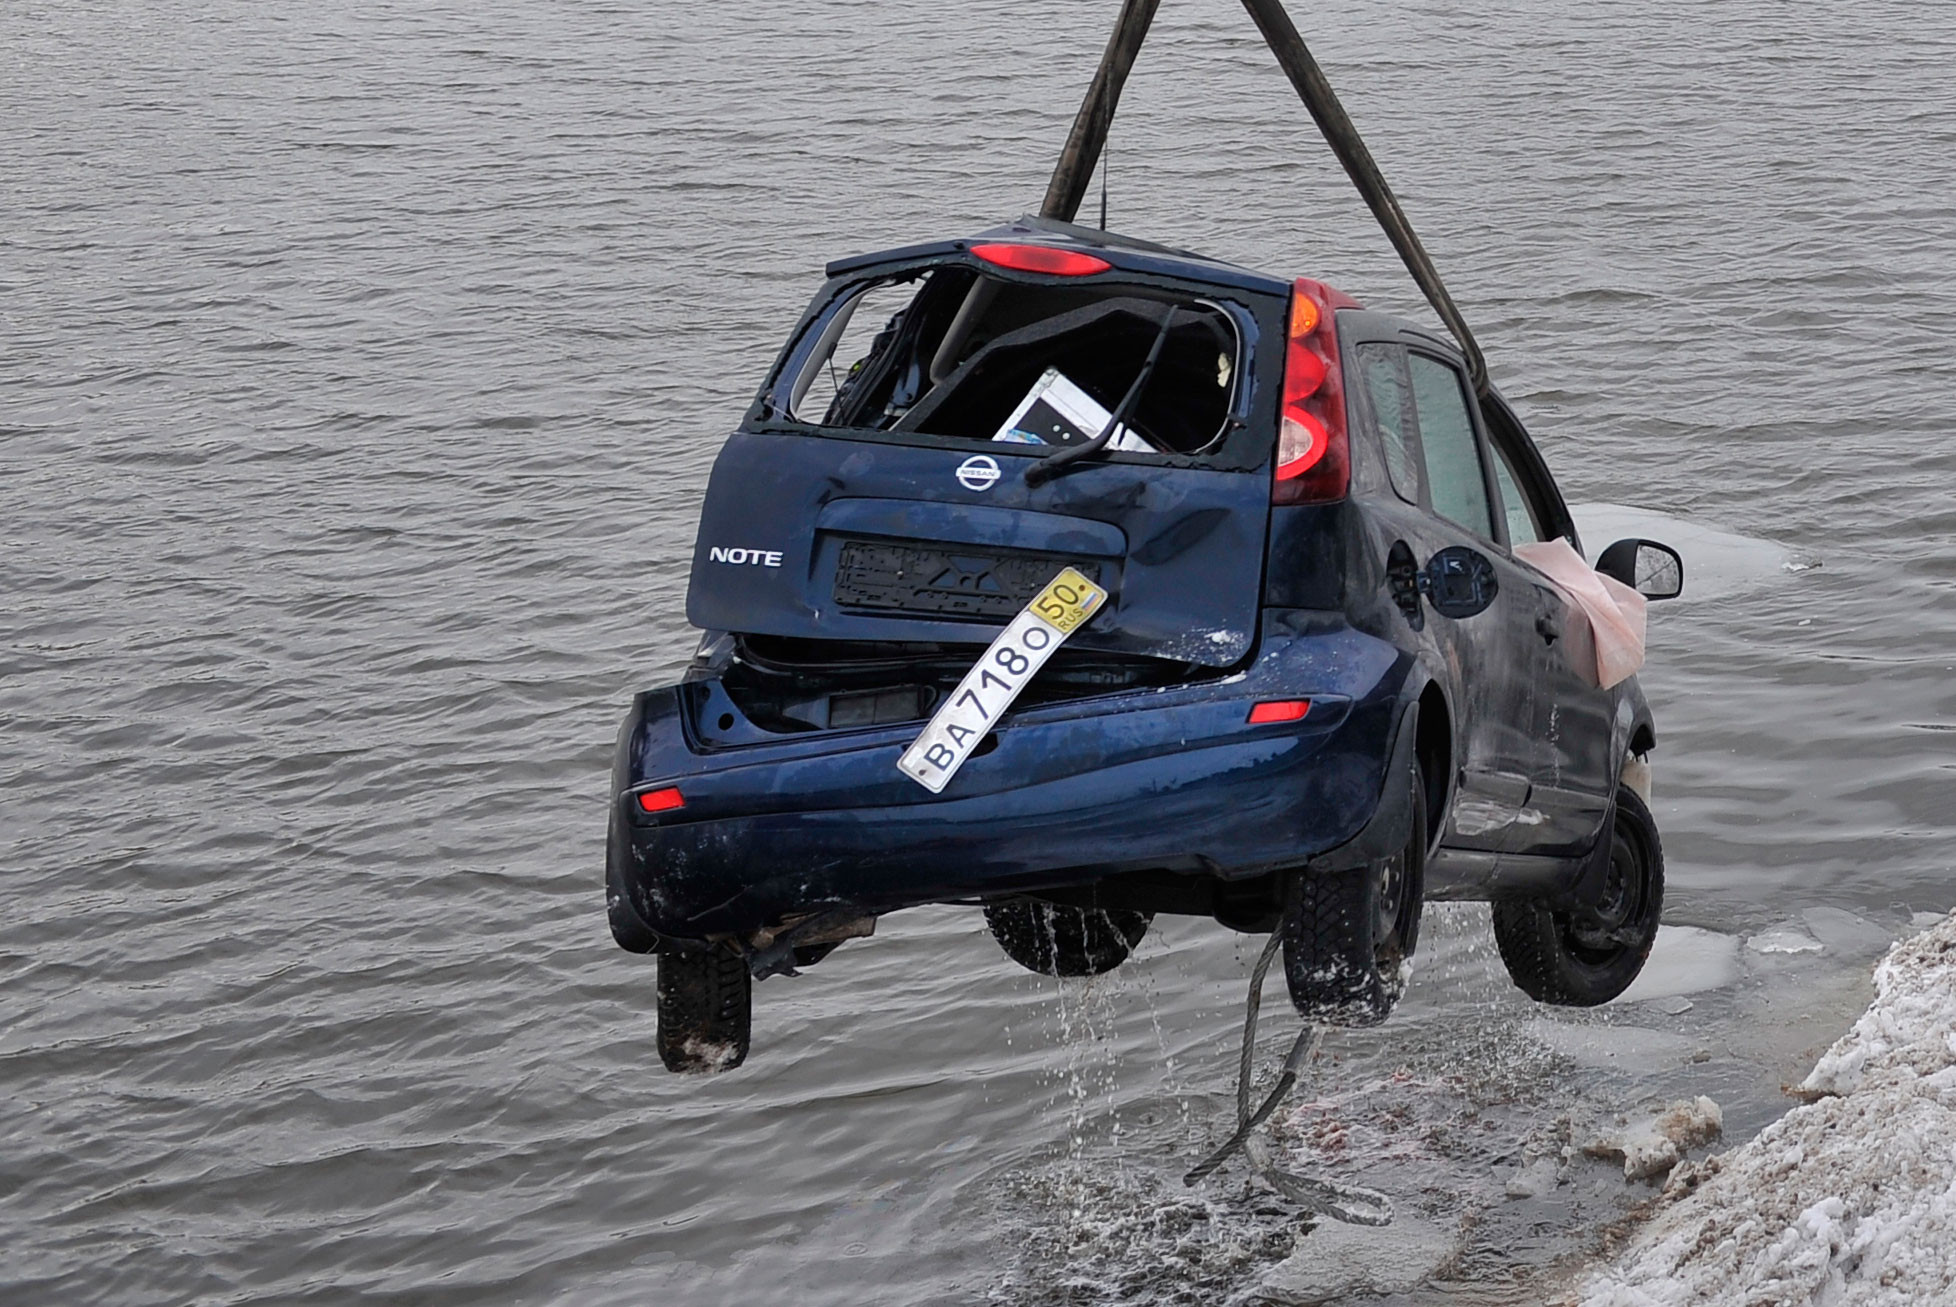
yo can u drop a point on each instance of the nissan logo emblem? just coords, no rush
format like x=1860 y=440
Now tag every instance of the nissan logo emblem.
x=979 y=472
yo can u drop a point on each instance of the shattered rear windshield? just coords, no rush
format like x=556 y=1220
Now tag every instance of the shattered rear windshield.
x=953 y=352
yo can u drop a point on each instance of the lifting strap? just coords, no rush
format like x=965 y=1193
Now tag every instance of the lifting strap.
x=1088 y=137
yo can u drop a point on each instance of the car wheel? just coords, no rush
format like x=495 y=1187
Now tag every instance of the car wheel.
x=1588 y=956
x=706 y=1004
x=1055 y=940
x=1348 y=935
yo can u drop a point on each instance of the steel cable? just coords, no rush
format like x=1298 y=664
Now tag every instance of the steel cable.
x=1352 y=1204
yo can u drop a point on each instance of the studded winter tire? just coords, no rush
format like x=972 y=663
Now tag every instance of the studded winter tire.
x=1348 y=935
x=706 y=1003
x=1056 y=940
x=1587 y=956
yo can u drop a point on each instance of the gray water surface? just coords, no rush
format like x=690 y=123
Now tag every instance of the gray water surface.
x=363 y=365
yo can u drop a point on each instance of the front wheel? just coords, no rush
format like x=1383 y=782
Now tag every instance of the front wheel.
x=1348 y=935
x=1588 y=955
x=706 y=1006
x=1055 y=940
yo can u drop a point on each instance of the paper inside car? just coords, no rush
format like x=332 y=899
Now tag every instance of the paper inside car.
x=1057 y=412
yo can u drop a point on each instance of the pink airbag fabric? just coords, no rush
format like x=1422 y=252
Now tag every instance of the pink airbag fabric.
x=1615 y=611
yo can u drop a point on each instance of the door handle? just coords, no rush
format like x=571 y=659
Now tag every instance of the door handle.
x=1547 y=629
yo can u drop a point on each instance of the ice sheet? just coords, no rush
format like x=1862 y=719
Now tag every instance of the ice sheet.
x=1716 y=563
x=1685 y=960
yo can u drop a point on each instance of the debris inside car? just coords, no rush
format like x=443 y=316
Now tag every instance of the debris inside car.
x=1084 y=579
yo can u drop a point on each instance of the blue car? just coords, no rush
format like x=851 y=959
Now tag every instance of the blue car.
x=1301 y=681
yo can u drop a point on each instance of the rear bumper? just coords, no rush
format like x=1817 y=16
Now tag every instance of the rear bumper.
x=1172 y=780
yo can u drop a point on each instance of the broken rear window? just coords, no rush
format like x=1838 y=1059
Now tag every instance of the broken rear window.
x=954 y=352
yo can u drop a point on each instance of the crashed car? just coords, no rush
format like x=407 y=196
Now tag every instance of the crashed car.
x=1294 y=673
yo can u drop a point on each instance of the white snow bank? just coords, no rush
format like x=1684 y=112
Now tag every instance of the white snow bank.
x=1849 y=1201
x=1907 y=1037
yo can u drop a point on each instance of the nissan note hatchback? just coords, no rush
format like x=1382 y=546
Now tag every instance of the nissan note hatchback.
x=1080 y=580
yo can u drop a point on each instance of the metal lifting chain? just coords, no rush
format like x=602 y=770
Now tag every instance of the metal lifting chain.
x=1341 y=1202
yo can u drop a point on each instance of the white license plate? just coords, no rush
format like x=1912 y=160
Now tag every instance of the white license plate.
x=989 y=688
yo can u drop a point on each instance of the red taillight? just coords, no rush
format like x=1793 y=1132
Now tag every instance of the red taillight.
x=1041 y=258
x=1313 y=454
x=666 y=800
x=1280 y=710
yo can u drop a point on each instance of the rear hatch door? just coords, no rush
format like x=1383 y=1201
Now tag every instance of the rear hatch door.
x=852 y=540
x=878 y=490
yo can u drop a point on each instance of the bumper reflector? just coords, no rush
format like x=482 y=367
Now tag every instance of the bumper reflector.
x=1280 y=710
x=666 y=800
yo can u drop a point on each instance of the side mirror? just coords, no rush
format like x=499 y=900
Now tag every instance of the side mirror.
x=1459 y=582
x=1654 y=571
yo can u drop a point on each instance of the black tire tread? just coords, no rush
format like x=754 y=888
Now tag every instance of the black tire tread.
x=1530 y=936
x=1525 y=935
x=706 y=1005
x=1331 y=958
x=1328 y=961
x=1053 y=939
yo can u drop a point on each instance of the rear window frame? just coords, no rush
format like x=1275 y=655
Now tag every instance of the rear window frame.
x=1247 y=442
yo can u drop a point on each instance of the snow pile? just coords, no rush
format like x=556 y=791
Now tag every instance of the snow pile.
x=1849 y=1201
x=1908 y=1035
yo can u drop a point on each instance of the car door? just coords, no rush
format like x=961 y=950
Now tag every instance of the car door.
x=1419 y=407
x=1569 y=763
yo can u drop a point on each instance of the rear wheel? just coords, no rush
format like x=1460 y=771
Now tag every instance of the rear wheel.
x=1055 y=940
x=706 y=1004
x=1348 y=934
x=1589 y=955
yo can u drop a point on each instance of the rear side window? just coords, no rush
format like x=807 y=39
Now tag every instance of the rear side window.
x=1446 y=433
x=1389 y=391
x=952 y=352
x=1524 y=520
